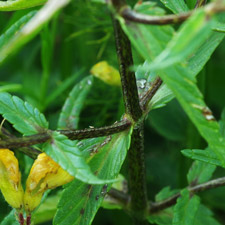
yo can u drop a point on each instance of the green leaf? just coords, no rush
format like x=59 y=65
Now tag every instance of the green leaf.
x=11 y=88
x=47 y=209
x=70 y=158
x=149 y=40
x=62 y=87
x=32 y=28
x=197 y=61
x=222 y=123
x=188 y=38
x=166 y=192
x=220 y=23
x=11 y=32
x=176 y=6
x=173 y=129
x=110 y=202
x=22 y=115
x=10 y=219
x=183 y=84
x=80 y=202
x=163 y=217
x=19 y=4
x=69 y=117
x=200 y=172
x=204 y=217
x=207 y=156
x=185 y=209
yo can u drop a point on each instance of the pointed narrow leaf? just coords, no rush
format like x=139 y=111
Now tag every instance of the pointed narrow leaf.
x=69 y=116
x=80 y=202
x=5 y=37
x=163 y=217
x=204 y=217
x=207 y=156
x=10 y=219
x=176 y=6
x=192 y=34
x=32 y=28
x=185 y=209
x=22 y=115
x=200 y=172
x=197 y=61
x=19 y=4
x=149 y=40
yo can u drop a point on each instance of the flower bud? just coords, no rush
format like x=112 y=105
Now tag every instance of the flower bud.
x=45 y=174
x=10 y=179
x=106 y=73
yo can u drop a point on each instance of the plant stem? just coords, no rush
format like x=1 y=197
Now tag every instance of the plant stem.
x=158 y=206
x=30 y=151
x=137 y=176
x=128 y=80
x=97 y=132
x=130 y=15
x=150 y=93
x=14 y=142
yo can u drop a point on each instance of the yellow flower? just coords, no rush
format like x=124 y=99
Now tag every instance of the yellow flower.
x=10 y=179
x=45 y=174
x=106 y=73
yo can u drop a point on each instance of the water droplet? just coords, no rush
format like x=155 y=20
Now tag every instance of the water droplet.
x=89 y=82
x=141 y=83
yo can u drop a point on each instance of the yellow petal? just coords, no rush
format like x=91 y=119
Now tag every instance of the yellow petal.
x=10 y=179
x=45 y=174
x=106 y=73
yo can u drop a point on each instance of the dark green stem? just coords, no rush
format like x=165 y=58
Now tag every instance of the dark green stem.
x=137 y=176
x=13 y=142
x=128 y=80
x=97 y=132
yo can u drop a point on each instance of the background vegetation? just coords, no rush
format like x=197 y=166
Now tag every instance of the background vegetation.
x=44 y=71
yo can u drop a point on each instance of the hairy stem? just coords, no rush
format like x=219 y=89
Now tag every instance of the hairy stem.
x=158 y=206
x=137 y=176
x=30 y=151
x=13 y=142
x=136 y=163
x=150 y=93
x=128 y=80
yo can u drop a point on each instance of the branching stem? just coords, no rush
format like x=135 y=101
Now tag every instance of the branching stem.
x=136 y=163
x=158 y=206
x=13 y=142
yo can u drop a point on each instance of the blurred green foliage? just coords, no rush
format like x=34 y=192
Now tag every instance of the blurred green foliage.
x=45 y=70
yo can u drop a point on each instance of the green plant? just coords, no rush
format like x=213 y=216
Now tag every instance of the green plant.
x=169 y=52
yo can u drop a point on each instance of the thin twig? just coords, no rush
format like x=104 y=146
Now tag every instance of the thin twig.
x=130 y=15
x=158 y=206
x=135 y=17
x=150 y=93
x=119 y=196
x=71 y=134
x=30 y=151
